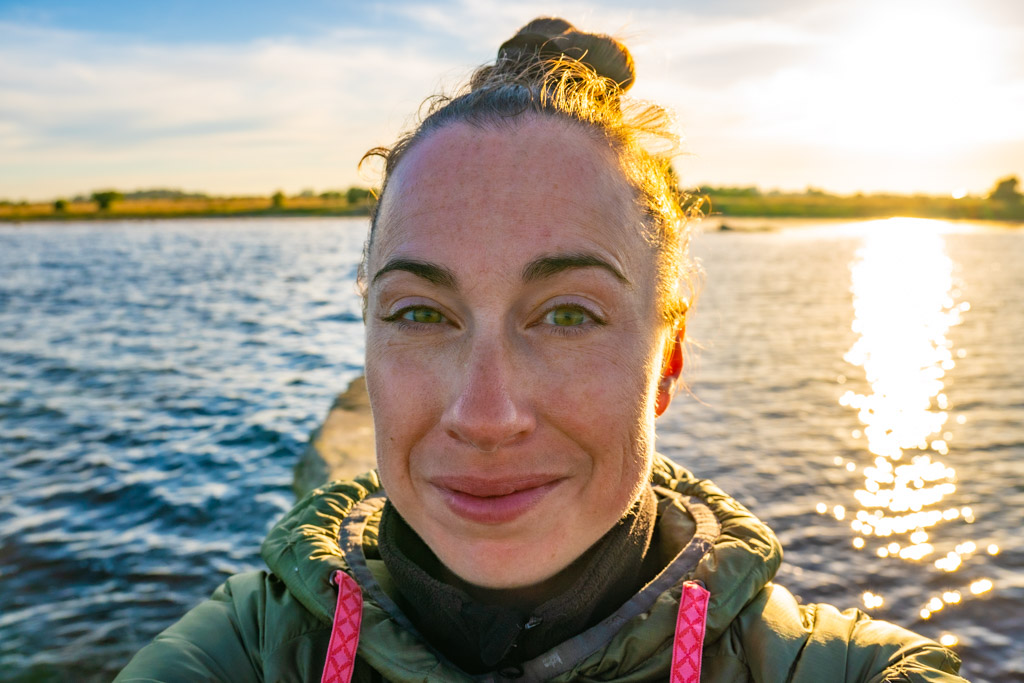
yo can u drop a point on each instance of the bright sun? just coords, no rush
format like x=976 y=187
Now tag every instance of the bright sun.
x=903 y=78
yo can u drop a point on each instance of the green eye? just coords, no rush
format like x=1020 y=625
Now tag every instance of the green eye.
x=422 y=315
x=566 y=317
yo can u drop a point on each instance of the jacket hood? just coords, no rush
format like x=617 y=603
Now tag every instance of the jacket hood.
x=743 y=559
x=734 y=562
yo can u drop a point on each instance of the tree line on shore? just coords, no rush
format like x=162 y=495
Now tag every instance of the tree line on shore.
x=1004 y=202
x=165 y=203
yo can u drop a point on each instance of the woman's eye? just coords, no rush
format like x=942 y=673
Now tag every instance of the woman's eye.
x=421 y=315
x=565 y=316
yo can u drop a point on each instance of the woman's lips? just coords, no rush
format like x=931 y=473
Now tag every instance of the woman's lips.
x=494 y=501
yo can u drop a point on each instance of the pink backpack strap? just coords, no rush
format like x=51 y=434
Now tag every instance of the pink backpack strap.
x=689 y=638
x=348 y=615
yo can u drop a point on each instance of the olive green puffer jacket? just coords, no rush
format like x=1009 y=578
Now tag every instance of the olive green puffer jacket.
x=276 y=626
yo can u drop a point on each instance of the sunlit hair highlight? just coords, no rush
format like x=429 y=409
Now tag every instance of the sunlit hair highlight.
x=550 y=69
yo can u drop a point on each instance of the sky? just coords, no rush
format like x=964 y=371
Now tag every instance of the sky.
x=247 y=98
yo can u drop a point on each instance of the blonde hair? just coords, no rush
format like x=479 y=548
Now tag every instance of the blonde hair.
x=551 y=69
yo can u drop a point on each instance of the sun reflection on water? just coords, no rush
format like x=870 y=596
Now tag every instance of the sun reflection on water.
x=905 y=301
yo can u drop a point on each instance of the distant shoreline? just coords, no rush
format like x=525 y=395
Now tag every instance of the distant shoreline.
x=719 y=204
x=112 y=205
x=99 y=216
x=819 y=205
x=127 y=213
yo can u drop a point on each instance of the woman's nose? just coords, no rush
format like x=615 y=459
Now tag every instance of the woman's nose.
x=489 y=407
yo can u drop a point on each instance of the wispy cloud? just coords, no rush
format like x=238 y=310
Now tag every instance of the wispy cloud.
x=293 y=109
x=846 y=95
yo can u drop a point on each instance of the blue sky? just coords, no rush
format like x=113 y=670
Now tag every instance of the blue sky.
x=192 y=21
x=243 y=98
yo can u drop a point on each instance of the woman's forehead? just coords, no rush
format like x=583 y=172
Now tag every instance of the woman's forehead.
x=540 y=184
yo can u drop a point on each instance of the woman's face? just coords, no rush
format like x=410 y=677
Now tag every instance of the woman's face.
x=514 y=347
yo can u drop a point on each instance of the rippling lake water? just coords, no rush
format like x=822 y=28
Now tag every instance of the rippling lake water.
x=859 y=386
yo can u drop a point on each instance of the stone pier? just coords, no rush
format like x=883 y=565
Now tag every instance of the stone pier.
x=342 y=446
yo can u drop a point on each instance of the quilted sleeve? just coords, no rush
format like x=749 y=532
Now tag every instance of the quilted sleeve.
x=212 y=642
x=782 y=640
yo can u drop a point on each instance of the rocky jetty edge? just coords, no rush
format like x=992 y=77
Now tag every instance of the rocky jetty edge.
x=342 y=446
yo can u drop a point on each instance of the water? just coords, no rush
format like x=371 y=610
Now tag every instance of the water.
x=157 y=381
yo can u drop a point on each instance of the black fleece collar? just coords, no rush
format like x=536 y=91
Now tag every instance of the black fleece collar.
x=479 y=637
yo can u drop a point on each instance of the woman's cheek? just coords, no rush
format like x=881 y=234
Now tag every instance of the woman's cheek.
x=403 y=387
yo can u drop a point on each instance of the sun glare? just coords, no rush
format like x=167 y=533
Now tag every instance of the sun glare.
x=902 y=284
x=905 y=303
x=896 y=82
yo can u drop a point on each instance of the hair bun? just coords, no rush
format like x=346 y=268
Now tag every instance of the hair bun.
x=551 y=37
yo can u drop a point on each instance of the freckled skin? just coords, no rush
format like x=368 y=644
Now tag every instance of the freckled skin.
x=510 y=381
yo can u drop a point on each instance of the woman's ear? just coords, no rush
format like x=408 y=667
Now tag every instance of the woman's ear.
x=671 y=369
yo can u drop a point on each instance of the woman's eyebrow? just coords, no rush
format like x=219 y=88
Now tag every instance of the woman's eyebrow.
x=548 y=266
x=431 y=272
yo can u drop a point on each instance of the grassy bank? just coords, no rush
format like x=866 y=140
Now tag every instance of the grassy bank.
x=725 y=202
x=183 y=207
x=821 y=205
